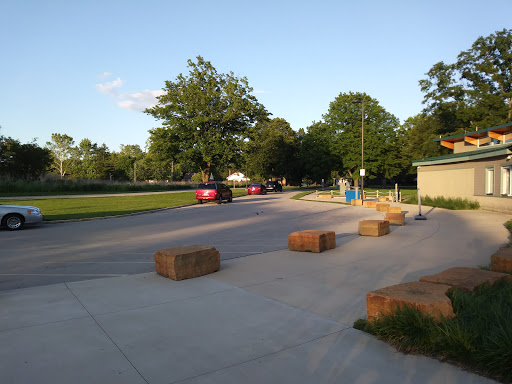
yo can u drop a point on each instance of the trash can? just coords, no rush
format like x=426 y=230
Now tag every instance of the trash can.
x=352 y=195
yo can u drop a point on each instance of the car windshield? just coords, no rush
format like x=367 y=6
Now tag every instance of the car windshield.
x=254 y=185
x=206 y=186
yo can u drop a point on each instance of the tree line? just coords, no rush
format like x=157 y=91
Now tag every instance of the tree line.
x=212 y=123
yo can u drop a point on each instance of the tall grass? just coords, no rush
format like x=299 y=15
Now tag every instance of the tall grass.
x=41 y=187
x=479 y=337
x=444 y=202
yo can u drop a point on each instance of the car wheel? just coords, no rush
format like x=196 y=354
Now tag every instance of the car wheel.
x=220 y=200
x=200 y=201
x=230 y=198
x=14 y=222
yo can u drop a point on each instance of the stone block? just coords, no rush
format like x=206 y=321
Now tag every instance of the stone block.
x=394 y=209
x=373 y=227
x=325 y=196
x=429 y=298
x=465 y=278
x=395 y=218
x=311 y=241
x=369 y=204
x=501 y=261
x=356 y=202
x=382 y=207
x=186 y=262
x=382 y=199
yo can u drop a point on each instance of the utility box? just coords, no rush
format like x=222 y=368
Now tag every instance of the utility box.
x=352 y=195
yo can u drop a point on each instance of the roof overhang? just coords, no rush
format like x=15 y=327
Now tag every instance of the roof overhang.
x=501 y=132
x=486 y=152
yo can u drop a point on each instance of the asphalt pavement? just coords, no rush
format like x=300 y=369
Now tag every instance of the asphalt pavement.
x=272 y=317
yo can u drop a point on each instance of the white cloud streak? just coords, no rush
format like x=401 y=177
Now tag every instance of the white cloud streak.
x=137 y=101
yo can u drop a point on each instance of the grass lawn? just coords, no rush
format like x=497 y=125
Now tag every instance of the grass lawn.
x=88 y=207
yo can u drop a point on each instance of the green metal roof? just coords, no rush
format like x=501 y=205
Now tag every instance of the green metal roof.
x=482 y=153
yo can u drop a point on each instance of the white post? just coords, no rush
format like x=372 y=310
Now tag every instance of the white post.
x=419 y=216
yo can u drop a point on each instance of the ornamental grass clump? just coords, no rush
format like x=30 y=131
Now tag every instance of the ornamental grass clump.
x=445 y=202
x=479 y=338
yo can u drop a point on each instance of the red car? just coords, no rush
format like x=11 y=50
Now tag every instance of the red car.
x=257 y=189
x=213 y=191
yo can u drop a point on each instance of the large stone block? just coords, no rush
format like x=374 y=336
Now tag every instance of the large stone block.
x=186 y=262
x=382 y=199
x=370 y=204
x=325 y=196
x=373 y=227
x=311 y=241
x=394 y=209
x=382 y=207
x=395 y=218
x=356 y=202
x=427 y=297
x=501 y=261
x=465 y=278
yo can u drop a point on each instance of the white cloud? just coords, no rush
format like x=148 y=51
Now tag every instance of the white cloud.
x=137 y=101
x=109 y=88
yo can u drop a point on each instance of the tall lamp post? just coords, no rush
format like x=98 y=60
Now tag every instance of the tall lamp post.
x=362 y=171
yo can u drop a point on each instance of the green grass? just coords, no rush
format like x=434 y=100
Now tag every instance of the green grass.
x=89 y=207
x=479 y=338
x=298 y=196
x=444 y=202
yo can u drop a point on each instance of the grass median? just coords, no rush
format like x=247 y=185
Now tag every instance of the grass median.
x=63 y=208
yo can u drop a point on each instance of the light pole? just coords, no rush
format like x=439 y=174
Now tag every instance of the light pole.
x=362 y=171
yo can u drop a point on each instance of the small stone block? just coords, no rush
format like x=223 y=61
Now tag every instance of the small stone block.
x=356 y=202
x=394 y=209
x=186 y=262
x=382 y=207
x=373 y=227
x=325 y=196
x=465 y=278
x=427 y=297
x=501 y=261
x=370 y=204
x=311 y=241
x=395 y=218
x=382 y=199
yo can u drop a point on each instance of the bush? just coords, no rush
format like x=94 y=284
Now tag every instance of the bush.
x=456 y=203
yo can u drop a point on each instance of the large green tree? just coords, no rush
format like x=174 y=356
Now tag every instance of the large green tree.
x=318 y=153
x=205 y=116
x=62 y=148
x=273 y=150
x=475 y=92
x=23 y=160
x=381 y=153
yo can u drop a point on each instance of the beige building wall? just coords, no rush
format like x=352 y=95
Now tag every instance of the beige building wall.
x=446 y=182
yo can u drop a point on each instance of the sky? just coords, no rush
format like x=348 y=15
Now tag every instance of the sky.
x=88 y=68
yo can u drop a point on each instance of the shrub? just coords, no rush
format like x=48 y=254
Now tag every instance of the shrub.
x=455 y=203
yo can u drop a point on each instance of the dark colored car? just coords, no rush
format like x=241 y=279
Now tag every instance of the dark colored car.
x=274 y=186
x=213 y=191
x=257 y=189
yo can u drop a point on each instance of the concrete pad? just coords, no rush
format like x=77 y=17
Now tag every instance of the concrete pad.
x=349 y=356
x=71 y=351
x=465 y=278
x=41 y=305
x=198 y=336
x=122 y=293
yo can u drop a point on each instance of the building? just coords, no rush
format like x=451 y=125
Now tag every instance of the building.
x=479 y=169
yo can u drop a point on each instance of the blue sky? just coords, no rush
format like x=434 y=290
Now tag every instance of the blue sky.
x=88 y=68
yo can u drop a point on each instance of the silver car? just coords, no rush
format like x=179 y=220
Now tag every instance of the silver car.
x=16 y=216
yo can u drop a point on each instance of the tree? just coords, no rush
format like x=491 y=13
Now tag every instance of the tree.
x=23 y=160
x=380 y=150
x=205 y=116
x=318 y=153
x=273 y=150
x=62 y=149
x=476 y=91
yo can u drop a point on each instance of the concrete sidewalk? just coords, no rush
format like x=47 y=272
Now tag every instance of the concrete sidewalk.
x=276 y=317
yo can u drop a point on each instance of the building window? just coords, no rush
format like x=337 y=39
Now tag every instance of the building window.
x=506 y=180
x=489 y=180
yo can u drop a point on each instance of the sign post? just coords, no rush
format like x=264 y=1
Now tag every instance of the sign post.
x=419 y=216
